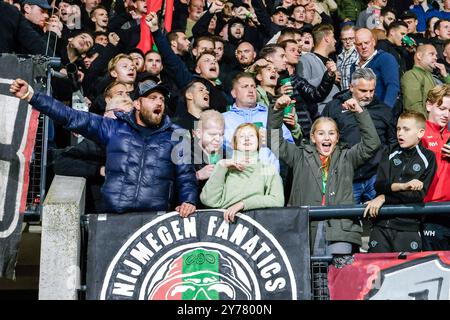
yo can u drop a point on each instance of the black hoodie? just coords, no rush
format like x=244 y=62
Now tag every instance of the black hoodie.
x=231 y=45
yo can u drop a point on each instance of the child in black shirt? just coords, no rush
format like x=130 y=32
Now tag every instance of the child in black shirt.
x=404 y=176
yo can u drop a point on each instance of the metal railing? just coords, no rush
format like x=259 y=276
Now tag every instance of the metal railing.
x=319 y=277
x=355 y=211
x=38 y=166
x=319 y=265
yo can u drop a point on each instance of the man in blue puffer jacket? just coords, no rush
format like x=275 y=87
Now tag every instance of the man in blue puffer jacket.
x=141 y=172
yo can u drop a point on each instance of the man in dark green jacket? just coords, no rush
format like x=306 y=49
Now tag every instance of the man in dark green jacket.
x=420 y=79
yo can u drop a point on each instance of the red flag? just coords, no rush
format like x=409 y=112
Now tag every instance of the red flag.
x=146 y=42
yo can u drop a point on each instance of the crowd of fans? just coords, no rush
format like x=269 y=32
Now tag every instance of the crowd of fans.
x=249 y=104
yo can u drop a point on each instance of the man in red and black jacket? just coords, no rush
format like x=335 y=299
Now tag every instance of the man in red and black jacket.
x=436 y=229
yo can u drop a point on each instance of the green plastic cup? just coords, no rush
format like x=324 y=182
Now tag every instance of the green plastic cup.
x=286 y=81
x=213 y=158
x=258 y=124
x=288 y=109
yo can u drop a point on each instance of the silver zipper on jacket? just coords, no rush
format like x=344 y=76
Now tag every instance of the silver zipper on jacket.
x=140 y=172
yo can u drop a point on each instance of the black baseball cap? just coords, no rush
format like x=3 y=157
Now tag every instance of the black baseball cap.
x=148 y=86
x=40 y=3
x=137 y=50
x=408 y=15
x=235 y=20
x=280 y=9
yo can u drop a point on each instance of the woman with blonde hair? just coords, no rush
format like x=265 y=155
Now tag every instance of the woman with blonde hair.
x=323 y=173
x=243 y=182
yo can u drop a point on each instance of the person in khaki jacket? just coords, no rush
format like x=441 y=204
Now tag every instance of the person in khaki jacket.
x=323 y=173
x=420 y=79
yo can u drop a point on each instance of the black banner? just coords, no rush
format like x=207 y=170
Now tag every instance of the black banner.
x=148 y=256
x=18 y=125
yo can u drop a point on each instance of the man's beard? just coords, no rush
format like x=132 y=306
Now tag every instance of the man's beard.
x=364 y=103
x=182 y=50
x=245 y=63
x=150 y=119
x=154 y=73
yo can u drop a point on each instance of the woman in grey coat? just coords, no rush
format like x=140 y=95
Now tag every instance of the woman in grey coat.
x=323 y=173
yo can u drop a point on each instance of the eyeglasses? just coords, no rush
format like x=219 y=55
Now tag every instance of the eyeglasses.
x=348 y=39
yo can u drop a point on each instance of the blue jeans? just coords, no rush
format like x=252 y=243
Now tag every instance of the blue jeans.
x=364 y=190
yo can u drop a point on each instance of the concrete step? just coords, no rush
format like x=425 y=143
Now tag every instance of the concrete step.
x=26 y=284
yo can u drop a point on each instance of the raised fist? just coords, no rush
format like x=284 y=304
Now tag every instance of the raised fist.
x=21 y=89
x=352 y=105
x=152 y=21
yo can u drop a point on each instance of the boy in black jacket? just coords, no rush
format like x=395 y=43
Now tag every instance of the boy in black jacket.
x=404 y=176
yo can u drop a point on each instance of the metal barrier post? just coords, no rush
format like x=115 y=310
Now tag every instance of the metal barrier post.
x=60 y=246
x=34 y=210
